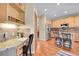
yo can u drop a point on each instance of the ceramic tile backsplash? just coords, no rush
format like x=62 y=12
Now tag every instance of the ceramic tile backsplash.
x=7 y=35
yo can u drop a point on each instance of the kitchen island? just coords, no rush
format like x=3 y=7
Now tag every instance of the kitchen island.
x=13 y=47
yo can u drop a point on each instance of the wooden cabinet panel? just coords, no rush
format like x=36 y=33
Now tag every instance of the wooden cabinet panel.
x=23 y=7
x=76 y=20
x=53 y=24
x=61 y=21
x=19 y=10
x=3 y=8
x=18 y=6
x=57 y=23
x=11 y=10
x=70 y=21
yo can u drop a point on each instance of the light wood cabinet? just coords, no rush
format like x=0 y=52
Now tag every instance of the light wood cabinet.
x=19 y=6
x=76 y=20
x=57 y=23
x=61 y=21
x=22 y=6
x=13 y=12
x=70 y=21
x=3 y=11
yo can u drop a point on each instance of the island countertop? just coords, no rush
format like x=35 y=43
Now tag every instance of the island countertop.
x=12 y=43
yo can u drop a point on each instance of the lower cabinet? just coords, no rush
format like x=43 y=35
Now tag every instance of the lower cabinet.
x=3 y=52
x=8 y=51
x=13 y=51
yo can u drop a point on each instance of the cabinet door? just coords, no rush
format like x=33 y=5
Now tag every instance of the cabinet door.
x=55 y=24
x=12 y=12
x=4 y=52
x=52 y=23
x=61 y=21
x=3 y=8
x=70 y=21
x=76 y=19
x=23 y=6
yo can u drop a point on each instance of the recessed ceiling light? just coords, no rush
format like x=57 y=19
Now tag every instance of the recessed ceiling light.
x=58 y=3
x=45 y=9
x=55 y=15
x=65 y=11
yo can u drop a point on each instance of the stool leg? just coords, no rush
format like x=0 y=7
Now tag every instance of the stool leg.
x=30 y=51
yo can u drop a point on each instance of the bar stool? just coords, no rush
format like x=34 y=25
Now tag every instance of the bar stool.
x=28 y=47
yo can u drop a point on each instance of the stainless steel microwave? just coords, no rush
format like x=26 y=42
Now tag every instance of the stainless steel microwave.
x=64 y=26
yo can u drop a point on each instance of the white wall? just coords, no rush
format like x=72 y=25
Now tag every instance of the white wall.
x=29 y=21
x=42 y=28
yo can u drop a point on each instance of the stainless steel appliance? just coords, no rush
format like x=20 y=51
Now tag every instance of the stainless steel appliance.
x=65 y=37
x=67 y=40
x=59 y=42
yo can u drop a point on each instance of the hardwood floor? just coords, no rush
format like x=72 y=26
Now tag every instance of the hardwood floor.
x=48 y=48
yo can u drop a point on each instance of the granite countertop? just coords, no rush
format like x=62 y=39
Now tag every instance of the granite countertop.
x=11 y=43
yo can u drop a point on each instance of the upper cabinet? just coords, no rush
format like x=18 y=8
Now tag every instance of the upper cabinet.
x=14 y=12
x=18 y=6
x=3 y=11
x=72 y=21
x=57 y=23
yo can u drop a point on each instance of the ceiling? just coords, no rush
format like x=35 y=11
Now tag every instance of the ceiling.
x=53 y=10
